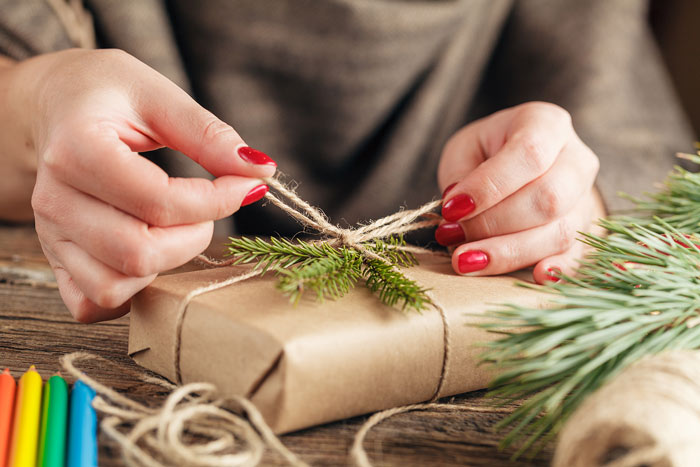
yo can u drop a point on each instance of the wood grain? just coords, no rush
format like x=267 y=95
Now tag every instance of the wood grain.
x=36 y=328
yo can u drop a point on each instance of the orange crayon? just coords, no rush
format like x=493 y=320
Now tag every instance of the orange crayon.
x=7 y=402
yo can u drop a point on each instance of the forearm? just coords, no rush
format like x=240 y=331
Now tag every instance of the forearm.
x=17 y=155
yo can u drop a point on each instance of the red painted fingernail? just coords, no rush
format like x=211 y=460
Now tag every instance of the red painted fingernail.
x=254 y=156
x=449 y=234
x=472 y=260
x=254 y=195
x=458 y=207
x=447 y=190
x=554 y=274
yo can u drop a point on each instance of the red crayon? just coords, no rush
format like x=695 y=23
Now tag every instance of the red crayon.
x=7 y=402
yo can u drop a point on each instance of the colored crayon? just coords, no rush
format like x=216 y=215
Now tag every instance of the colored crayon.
x=25 y=427
x=52 y=442
x=82 y=427
x=7 y=403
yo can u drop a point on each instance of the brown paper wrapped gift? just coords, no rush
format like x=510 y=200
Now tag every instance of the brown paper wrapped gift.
x=318 y=361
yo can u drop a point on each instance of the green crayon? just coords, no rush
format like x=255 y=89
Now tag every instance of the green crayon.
x=52 y=443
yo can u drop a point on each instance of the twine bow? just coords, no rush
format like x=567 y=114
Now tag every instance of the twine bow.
x=311 y=217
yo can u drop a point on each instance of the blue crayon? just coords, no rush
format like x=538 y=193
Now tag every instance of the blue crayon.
x=82 y=427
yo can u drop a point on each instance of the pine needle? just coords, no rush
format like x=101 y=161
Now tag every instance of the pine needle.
x=636 y=293
x=330 y=272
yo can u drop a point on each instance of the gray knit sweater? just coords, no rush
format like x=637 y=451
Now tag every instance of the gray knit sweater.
x=355 y=98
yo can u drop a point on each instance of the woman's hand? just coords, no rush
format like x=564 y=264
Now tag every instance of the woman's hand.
x=518 y=186
x=108 y=219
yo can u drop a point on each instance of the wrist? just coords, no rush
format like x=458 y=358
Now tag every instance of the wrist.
x=20 y=98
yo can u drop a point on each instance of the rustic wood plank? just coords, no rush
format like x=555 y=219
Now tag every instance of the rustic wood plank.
x=36 y=328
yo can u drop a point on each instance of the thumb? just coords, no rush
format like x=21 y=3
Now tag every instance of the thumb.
x=175 y=120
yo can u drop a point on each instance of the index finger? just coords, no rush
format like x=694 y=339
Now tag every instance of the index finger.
x=529 y=151
x=132 y=183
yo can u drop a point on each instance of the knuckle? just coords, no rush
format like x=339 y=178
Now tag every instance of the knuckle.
x=156 y=211
x=509 y=254
x=549 y=201
x=48 y=205
x=536 y=157
x=41 y=201
x=138 y=259
x=557 y=112
x=116 y=55
x=565 y=234
x=109 y=296
x=482 y=226
x=214 y=128
x=83 y=311
x=57 y=156
x=490 y=190
x=550 y=109
x=594 y=163
x=225 y=209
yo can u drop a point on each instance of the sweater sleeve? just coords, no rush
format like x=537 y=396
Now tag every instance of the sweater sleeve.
x=599 y=61
x=30 y=27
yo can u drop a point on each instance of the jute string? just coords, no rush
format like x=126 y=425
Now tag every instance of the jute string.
x=648 y=415
x=235 y=431
x=156 y=437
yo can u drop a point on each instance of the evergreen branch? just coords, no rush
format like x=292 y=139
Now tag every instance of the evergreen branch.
x=678 y=203
x=330 y=271
x=390 y=249
x=637 y=293
x=277 y=253
x=329 y=276
x=393 y=287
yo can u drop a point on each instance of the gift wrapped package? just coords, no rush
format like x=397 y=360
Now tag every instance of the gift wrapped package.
x=319 y=361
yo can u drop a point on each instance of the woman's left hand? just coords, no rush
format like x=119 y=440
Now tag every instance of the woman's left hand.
x=517 y=187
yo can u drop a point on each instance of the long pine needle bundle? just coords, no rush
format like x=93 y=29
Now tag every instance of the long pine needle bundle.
x=636 y=293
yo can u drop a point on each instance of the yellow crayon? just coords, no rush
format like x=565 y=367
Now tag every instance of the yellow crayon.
x=25 y=431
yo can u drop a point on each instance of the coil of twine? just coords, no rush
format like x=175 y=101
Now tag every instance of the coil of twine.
x=649 y=415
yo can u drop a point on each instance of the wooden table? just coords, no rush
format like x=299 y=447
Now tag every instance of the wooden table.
x=36 y=328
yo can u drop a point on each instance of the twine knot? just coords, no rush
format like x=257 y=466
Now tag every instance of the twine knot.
x=312 y=217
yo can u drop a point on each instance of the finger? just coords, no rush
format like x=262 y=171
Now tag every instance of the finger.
x=82 y=308
x=552 y=268
x=536 y=140
x=173 y=118
x=547 y=198
x=121 y=241
x=567 y=263
x=472 y=145
x=508 y=253
x=102 y=285
x=130 y=182
x=462 y=153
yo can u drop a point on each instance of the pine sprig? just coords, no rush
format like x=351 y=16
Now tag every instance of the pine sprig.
x=327 y=277
x=277 y=253
x=330 y=271
x=393 y=287
x=637 y=293
x=678 y=202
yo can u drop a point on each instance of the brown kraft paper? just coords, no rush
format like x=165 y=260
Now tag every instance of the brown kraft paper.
x=319 y=361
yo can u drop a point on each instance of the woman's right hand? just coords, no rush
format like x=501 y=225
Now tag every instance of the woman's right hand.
x=108 y=219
